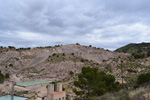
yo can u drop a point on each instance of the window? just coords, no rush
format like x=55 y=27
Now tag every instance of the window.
x=63 y=98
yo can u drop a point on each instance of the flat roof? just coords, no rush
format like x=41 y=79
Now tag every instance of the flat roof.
x=8 y=97
x=31 y=83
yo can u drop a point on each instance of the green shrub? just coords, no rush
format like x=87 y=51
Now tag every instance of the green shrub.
x=10 y=65
x=71 y=73
x=143 y=78
x=72 y=54
x=63 y=54
x=6 y=75
x=54 y=54
x=139 y=55
x=63 y=88
x=82 y=60
x=2 y=77
x=131 y=71
x=148 y=54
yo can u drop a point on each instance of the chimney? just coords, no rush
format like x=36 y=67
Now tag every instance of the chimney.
x=59 y=86
x=55 y=85
x=50 y=89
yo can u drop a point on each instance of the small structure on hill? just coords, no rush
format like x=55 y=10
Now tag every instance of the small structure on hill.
x=45 y=89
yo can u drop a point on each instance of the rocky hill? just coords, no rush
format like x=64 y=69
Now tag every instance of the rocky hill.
x=47 y=62
x=26 y=64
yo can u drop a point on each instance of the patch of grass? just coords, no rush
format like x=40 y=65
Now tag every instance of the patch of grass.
x=29 y=57
x=32 y=70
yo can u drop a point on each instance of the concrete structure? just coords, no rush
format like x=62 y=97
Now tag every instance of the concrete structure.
x=8 y=97
x=55 y=95
x=42 y=90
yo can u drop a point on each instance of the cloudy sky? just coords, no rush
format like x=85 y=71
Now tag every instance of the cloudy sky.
x=107 y=24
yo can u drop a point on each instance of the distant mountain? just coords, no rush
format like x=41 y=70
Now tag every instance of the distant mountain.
x=135 y=48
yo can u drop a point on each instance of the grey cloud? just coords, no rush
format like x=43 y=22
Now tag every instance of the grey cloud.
x=74 y=21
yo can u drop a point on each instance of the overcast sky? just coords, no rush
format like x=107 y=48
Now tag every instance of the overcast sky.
x=107 y=24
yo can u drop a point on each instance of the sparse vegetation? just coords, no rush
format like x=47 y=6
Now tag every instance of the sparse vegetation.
x=139 y=56
x=29 y=57
x=3 y=77
x=135 y=48
x=32 y=70
x=131 y=71
x=138 y=94
x=23 y=49
x=57 y=45
x=59 y=57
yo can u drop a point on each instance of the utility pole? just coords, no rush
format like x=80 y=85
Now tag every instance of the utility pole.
x=12 y=90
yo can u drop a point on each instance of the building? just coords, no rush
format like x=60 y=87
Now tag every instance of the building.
x=8 y=97
x=45 y=90
x=54 y=92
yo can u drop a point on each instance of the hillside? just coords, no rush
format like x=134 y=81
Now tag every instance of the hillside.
x=27 y=64
x=47 y=62
x=135 y=48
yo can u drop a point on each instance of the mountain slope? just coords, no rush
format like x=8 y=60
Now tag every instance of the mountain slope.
x=46 y=62
x=51 y=62
x=135 y=48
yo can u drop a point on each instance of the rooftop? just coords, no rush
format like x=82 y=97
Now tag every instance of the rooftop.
x=58 y=92
x=8 y=97
x=31 y=83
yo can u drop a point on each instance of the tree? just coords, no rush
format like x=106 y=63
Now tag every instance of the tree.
x=77 y=44
x=92 y=82
x=143 y=78
x=90 y=45
x=2 y=78
x=11 y=47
